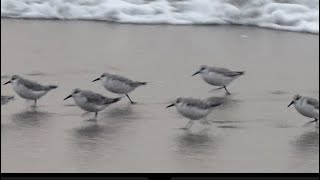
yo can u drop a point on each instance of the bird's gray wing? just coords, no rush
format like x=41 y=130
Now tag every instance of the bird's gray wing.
x=97 y=99
x=121 y=79
x=33 y=85
x=126 y=80
x=225 y=72
x=197 y=103
x=313 y=102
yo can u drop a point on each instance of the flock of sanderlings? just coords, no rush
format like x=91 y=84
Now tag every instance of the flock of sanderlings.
x=191 y=108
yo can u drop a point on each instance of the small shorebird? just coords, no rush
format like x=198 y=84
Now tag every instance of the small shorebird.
x=119 y=84
x=217 y=76
x=306 y=106
x=6 y=99
x=28 y=89
x=194 y=109
x=90 y=101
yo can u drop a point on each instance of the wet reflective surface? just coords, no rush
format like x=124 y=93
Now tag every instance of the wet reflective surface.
x=253 y=132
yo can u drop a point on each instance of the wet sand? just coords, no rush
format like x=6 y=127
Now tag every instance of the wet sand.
x=253 y=132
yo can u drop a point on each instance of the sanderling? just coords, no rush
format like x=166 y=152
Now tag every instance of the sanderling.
x=90 y=101
x=306 y=106
x=118 y=84
x=217 y=76
x=194 y=109
x=6 y=99
x=29 y=89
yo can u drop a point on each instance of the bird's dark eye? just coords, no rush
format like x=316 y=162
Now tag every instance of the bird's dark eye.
x=178 y=100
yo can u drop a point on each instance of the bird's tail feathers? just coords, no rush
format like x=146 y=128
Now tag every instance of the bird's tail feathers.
x=52 y=87
x=240 y=73
x=142 y=83
x=116 y=99
x=137 y=83
x=215 y=105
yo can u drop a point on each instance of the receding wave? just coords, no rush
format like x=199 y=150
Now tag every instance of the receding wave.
x=291 y=15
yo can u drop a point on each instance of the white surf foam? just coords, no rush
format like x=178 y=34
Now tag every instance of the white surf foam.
x=292 y=15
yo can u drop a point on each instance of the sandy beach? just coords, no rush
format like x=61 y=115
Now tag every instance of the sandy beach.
x=253 y=132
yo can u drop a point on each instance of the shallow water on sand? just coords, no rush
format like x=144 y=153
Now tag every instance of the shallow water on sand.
x=253 y=132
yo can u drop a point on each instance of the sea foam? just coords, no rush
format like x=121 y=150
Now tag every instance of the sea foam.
x=291 y=15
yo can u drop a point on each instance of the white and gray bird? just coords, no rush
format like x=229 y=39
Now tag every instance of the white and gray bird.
x=119 y=84
x=306 y=106
x=6 y=99
x=217 y=76
x=194 y=109
x=28 y=89
x=90 y=101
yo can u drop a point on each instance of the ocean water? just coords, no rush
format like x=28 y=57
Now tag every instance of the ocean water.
x=291 y=15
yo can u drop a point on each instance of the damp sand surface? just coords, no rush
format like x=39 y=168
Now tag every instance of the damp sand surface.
x=253 y=132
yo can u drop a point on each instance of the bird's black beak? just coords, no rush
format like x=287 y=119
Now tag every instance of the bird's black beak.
x=68 y=97
x=7 y=83
x=96 y=80
x=170 y=105
x=196 y=73
x=291 y=103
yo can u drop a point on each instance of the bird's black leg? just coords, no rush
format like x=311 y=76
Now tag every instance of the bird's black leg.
x=130 y=99
x=225 y=88
x=35 y=103
x=94 y=119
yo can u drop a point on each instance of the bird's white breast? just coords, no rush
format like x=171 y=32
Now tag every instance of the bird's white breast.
x=216 y=79
x=116 y=86
x=193 y=113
